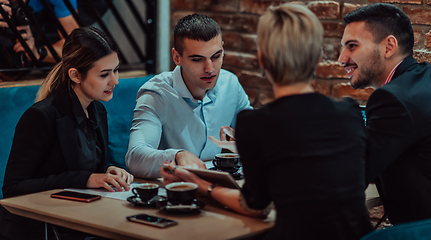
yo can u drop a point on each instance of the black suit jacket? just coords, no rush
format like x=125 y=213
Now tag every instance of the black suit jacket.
x=44 y=156
x=399 y=132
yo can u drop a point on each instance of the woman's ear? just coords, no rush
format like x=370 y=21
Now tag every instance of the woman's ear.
x=74 y=75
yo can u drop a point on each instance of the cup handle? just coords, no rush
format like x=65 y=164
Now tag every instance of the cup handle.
x=214 y=163
x=134 y=191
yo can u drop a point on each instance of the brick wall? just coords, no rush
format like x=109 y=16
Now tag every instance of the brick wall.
x=238 y=20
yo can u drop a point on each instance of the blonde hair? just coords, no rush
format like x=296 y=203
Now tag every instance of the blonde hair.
x=290 y=38
x=82 y=48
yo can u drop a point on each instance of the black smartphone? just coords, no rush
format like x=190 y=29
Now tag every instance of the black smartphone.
x=76 y=196
x=152 y=220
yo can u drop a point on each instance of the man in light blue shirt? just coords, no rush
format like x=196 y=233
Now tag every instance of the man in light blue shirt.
x=177 y=111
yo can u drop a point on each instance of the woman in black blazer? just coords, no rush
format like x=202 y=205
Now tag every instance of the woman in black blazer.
x=303 y=152
x=61 y=141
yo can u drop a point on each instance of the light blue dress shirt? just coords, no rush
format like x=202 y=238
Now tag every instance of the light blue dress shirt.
x=167 y=119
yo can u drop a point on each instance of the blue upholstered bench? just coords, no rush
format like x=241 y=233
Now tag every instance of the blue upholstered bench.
x=15 y=100
x=419 y=230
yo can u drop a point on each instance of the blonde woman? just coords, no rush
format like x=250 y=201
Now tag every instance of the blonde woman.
x=304 y=152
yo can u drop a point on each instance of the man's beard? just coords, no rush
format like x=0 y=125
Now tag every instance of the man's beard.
x=370 y=72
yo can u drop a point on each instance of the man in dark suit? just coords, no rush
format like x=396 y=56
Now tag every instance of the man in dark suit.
x=377 y=52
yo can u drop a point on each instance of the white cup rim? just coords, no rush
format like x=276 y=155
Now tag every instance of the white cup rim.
x=147 y=185
x=171 y=185
x=223 y=155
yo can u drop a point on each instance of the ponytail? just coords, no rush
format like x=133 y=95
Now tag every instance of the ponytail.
x=51 y=83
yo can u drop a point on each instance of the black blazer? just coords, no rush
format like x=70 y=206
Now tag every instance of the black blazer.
x=399 y=132
x=306 y=153
x=44 y=156
x=45 y=148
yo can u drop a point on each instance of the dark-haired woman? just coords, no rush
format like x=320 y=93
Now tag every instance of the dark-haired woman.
x=61 y=141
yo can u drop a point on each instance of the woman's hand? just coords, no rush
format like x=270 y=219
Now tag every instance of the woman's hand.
x=114 y=177
x=127 y=177
x=223 y=142
x=107 y=181
x=175 y=173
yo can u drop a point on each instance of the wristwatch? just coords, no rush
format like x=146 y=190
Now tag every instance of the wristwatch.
x=210 y=189
x=42 y=53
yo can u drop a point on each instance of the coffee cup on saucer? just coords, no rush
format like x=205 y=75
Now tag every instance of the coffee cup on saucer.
x=228 y=162
x=146 y=191
x=181 y=193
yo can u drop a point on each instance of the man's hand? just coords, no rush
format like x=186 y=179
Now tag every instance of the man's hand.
x=188 y=159
x=7 y=9
x=28 y=38
x=223 y=142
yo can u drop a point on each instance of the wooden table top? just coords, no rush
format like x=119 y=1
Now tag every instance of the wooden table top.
x=107 y=218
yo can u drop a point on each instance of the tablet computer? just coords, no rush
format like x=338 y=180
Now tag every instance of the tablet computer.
x=217 y=177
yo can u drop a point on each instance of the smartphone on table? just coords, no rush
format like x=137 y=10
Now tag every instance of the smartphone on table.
x=76 y=196
x=152 y=220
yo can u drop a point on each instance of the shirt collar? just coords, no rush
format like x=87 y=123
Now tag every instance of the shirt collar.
x=79 y=112
x=391 y=74
x=179 y=85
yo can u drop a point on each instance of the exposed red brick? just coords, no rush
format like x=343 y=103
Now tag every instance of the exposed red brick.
x=253 y=80
x=330 y=69
x=333 y=29
x=240 y=41
x=323 y=86
x=236 y=22
x=398 y=1
x=418 y=15
x=325 y=9
x=428 y=39
x=344 y=89
x=253 y=96
x=244 y=60
x=182 y=4
x=422 y=55
x=176 y=16
x=218 y=6
x=417 y=35
x=349 y=7
x=256 y=6
x=331 y=49
x=265 y=97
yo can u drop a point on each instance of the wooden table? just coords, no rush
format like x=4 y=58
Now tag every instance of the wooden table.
x=107 y=218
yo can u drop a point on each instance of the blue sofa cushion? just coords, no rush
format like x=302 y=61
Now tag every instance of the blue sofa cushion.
x=15 y=100
x=419 y=230
x=13 y=103
x=120 y=115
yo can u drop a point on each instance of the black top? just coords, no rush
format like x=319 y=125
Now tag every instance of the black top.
x=306 y=153
x=90 y=152
x=399 y=131
x=46 y=155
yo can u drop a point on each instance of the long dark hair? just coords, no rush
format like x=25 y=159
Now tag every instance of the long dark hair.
x=82 y=48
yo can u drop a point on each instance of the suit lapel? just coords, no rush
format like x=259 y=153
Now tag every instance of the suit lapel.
x=102 y=130
x=66 y=129
x=407 y=62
